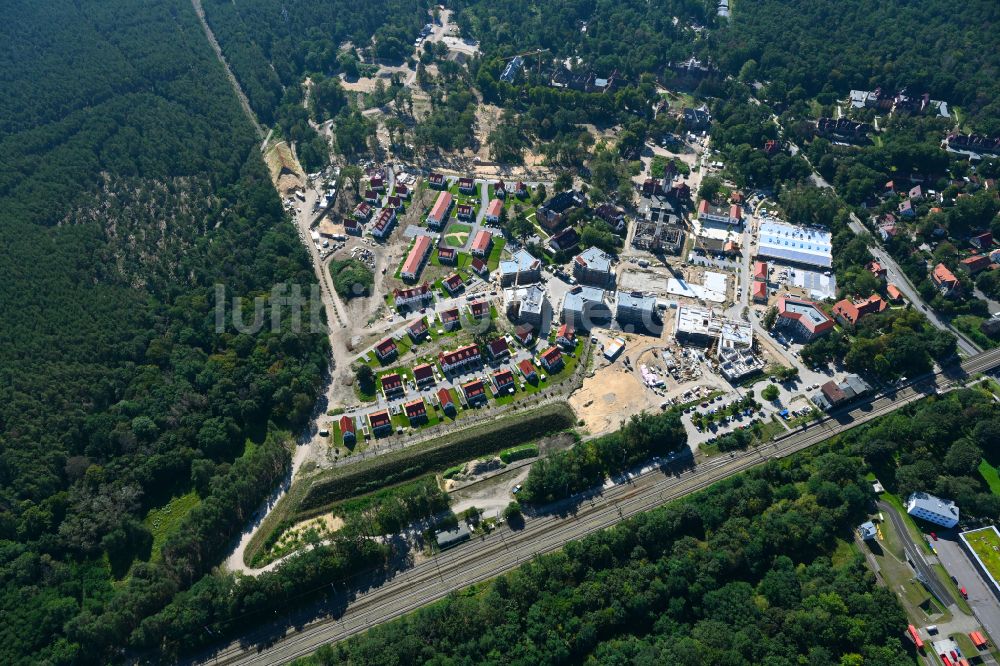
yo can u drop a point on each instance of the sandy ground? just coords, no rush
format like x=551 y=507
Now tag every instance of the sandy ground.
x=286 y=173
x=608 y=396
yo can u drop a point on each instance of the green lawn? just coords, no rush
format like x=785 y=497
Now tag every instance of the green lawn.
x=463 y=261
x=494 y=259
x=986 y=544
x=164 y=520
x=969 y=324
x=991 y=476
x=456 y=234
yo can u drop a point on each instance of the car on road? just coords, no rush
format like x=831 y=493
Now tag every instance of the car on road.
x=516 y=489
x=934 y=536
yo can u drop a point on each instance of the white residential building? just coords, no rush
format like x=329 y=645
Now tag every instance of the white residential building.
x=932 y=509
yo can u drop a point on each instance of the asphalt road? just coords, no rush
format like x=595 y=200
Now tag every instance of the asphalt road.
x=483 y=559
x=915 y=555
x=982 y=601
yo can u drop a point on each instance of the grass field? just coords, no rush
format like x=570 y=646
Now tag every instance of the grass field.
x=991 y=476
x=164 y=520
x=456 y=234
x=986 y=544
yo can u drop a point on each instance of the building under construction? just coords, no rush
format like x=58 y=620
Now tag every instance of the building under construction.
x=660 y=232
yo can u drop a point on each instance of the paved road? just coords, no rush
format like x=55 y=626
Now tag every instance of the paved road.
x=983 y=603
x=482 y=559
x=915 y=555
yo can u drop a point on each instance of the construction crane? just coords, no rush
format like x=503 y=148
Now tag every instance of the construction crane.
x=538 y=61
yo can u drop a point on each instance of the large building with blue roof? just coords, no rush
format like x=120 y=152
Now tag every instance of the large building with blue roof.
x=791 y=244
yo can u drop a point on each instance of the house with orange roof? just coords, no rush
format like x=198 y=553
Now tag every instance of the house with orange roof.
x=494 y=210
x=551 y=359
x=528 y=371
x=850 y=312
x=803 y=318
x=895 y=295
x=348 y=429
x=482 y=243
x=503 y=381
x=446 y=402
x=945 y=280
x=975 y=263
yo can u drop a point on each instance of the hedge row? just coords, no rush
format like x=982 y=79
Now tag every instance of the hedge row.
x=436 y=454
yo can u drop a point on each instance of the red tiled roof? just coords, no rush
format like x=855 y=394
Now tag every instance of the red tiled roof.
x=417 y=328
x=417 y=255
x=503 y=377
x=482 y=241
x=551 y=355
x=942 y=275
x=346 y=424
x=453 y=282
x=449 y=315
x=461 y=354
x=436 y=178
x=379 y=419
x=478 y=308
x=423 y=371
x=473 y=389
x=466 y=183
x=498 y=346
x=419 y=290
x=385 y=347
x=759 y=289
x=444 y=397
x=391 y=382
x=808 y=322
x=976 y=263
x=760 y=270
x=441 y=206
x=415 y=408
x=479 y=265
x=527 y=368
x=494 y=209
x=566 y=332
x=893 y=291
x=853 y=311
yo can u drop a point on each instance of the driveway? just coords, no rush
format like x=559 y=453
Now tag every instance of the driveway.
x=983 y=603
x=915 y=555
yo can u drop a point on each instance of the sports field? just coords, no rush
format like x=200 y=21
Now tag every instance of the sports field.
x=986 y=544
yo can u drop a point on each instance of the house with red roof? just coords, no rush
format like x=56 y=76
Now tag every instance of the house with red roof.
x=384 y=223
x=566 y=337
x=498 y=349
x=494 y=210
x=377 y=181
x=474 y=392
x=371 y=196
x=523 y=333
x=415 y=259
x=464 y=212
x=760 y=270
x=479 y=309
x=450 y=319
x=945 y=280
x=528 y=371
x=803 y=318
x=416 y=411
x=500 y=189
x=447 y=256
x=446 y=402
x=414 y=297
x=396 y=203
x=466 y=185
x=386 y=350
x=551 y=359
x=348 y=430
x=352 y=226
x=363 y=211
x=438 y=216
x=380 y=423
x=876 y=269
x=759 y=291
x=503 y=381
x=482 y=243
x=392 y=385
x=481 y=268
x=453 y=283
x=975 y=263
x=461 y=358
x=436 y=180
x=982 y=241
x=895 y=295
x=402 y=191
x=417 y=330
x=850 y=312
x=423 y=374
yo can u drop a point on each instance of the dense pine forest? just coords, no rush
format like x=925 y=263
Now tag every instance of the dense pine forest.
x=131 y=184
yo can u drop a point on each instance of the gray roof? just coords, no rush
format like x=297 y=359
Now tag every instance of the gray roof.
x=636 y=301
x=932 y=504
x=533 y=299
x=596 y=259
x=577 y=299
x=521 y=262
x=453 y=536
x=797 y=244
